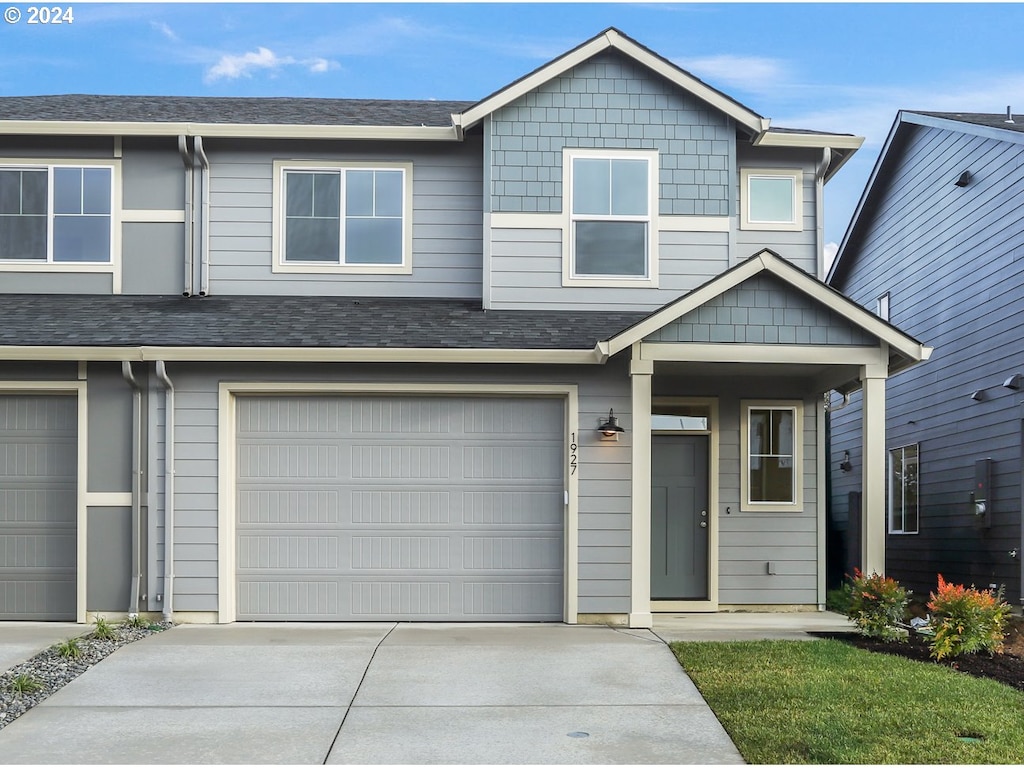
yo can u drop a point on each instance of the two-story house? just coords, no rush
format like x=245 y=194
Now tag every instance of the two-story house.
x=559 y=354
x=937 y=245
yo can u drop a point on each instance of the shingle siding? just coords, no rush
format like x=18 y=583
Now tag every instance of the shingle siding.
x=610 y=102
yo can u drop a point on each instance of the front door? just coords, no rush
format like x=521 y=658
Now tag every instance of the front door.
x=679 y=517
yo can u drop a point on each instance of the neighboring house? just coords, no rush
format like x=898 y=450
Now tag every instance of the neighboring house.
x=559 y=354
x=937 y=246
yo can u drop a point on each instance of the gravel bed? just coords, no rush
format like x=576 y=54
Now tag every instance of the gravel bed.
x=53 y=671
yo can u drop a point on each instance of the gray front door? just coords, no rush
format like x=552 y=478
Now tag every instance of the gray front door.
x=679 y=517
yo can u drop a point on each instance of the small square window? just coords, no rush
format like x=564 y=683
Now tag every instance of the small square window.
x=771 y=199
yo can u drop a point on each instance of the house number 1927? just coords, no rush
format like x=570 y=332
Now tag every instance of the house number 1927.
x=572 y=453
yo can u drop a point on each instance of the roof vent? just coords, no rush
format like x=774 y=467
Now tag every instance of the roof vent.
x=1009 y=117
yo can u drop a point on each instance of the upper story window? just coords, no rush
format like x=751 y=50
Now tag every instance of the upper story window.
x=771 y=478
x=771 y=199
x=882 y=306
x=612 y=200
x=349 y=217
x=56 y=214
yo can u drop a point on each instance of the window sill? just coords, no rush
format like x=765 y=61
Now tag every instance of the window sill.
x=299 y=268
x=748 y=506
x=609 y=282
x=58 y=266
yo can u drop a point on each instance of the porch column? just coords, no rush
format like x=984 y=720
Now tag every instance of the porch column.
x=640 y=372
x=873 y=515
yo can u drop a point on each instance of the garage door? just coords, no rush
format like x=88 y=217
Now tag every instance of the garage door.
x=38 y=507
x=416 y=508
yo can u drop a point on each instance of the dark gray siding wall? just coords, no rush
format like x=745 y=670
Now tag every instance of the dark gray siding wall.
x=952 y=260
x=604 y=469
x=610 y=102
x=447 y=219
x=763 y=310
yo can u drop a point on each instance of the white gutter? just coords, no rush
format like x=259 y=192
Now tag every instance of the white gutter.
x=136 y=577
x=819 y=209
x=161 y=373
x=204 y=221
x=186 y=158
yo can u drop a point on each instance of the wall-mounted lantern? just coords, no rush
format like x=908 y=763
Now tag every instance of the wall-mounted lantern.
x=845 y=464
x=610 y=429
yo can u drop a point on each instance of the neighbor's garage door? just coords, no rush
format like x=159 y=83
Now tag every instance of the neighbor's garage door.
x=418 y=508
x=38 y=507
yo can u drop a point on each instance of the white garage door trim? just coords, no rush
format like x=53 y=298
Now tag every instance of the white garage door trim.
x=79 y=388
x=226 y=465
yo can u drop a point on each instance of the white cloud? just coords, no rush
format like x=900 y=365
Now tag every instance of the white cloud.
x=232 y=67
x=320 y=65
x=751 y=73
x=165 y=30
x=831 y=249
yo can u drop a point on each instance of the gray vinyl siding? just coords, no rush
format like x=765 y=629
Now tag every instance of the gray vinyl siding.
x=110 y=429
x=447 y=220
x=152 y=174
x=950 y=258
x=108 y=572
x=604 y=475
x=610 y=101
x=57 y=282
x=526 y=271
x=799 y=248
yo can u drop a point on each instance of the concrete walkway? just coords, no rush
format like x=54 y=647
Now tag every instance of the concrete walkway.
x=378 y=694
x=748 y=626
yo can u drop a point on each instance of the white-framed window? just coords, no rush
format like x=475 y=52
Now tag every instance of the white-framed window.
x=342 y=217
x=57 y=213
x=611 y=203
x=882 y=306
x=771 y=475
x=903 y=483
x=771 y=199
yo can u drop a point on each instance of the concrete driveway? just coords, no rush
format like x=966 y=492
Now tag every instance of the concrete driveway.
x=377 y=694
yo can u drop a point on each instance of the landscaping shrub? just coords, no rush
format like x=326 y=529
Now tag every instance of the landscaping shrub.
x=839 y=599
x=877 y=605
x=966 y=620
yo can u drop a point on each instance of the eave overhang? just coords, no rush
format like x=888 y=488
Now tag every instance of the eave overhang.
x=300 y=355
x=229 y=130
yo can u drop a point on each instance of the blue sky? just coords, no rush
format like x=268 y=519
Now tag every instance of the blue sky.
x=841 y=67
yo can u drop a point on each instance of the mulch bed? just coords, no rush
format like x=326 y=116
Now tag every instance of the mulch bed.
x=1007 y=667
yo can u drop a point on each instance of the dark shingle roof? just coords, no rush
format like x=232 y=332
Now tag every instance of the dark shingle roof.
x=230 y=111
x=979 y=118
x=301 y=322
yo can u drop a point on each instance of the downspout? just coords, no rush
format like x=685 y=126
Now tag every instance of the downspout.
x=136 y=573
x=161 y=373
x=204 y=221
x=819 y=193
x=186 y=158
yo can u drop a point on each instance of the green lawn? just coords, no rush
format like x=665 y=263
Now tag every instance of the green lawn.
x=827 y=702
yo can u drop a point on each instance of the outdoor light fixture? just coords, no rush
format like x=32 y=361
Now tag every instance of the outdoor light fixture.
x=845 y=464
x=1013 y=382
x=978 y=394
x=610 y=429
x=964 y=180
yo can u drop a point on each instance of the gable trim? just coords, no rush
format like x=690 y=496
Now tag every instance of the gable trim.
x=612 y=39
x=767 y=261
